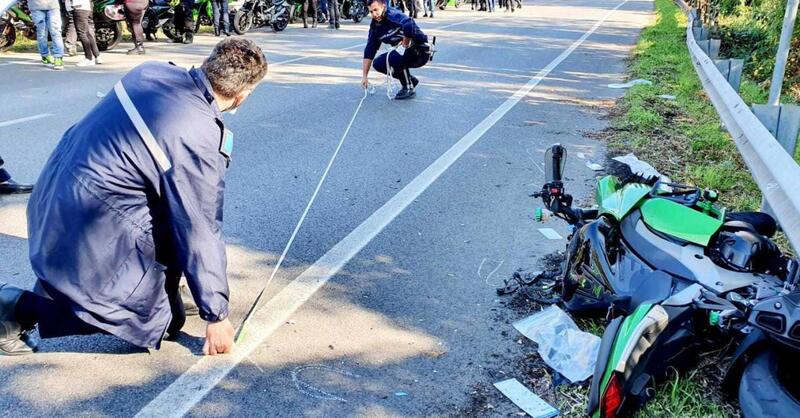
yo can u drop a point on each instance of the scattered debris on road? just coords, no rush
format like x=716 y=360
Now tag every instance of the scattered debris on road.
x=525 y=399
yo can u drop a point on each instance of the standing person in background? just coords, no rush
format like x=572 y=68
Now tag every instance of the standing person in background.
x=68 y=28
x=490 y=5
x=134 y=13
x=333 y=14
x=411 y=5
x=220 y=9
x=184 y=21
x=323 y=8
x=46 y=15
x=312 y=3
x=84 y=22
x=428 y=5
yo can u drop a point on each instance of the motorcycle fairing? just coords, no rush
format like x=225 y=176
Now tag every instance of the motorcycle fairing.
x=681 y=221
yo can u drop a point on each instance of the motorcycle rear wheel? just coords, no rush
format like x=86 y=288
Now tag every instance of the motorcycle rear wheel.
x=242 y=21
x=280 y=25
x=108 y=36
x=763 y=391
x=8 y=35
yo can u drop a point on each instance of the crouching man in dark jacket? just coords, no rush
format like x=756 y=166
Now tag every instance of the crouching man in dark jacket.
x=130 y=200
x=390 y=26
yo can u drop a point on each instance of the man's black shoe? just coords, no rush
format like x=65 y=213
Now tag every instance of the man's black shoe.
x=405 y=93
x=188 y=38
x=337 y=25
x=12 y=187
x=414 y=81
x=14 y=340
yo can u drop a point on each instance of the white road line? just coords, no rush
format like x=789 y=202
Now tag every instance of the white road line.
x=190 y=388
x=25 y=119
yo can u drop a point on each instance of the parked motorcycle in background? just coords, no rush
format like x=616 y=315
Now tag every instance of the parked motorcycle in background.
x=16 y=20
x=108 y=18
x=160 y=15
x=258 y=13
x=354 y=9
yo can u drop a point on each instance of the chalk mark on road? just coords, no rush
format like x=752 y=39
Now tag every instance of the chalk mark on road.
x=313 y=391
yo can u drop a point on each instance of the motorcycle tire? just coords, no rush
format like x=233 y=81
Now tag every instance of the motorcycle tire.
x=8 y=35
x=280 y=25
x=762 y=393
x=358 y=17
x=171 y=31
x=242 y=21
x=108 y=35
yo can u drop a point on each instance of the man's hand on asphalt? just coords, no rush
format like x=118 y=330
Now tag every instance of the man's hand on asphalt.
x=364 y=83
x=219 y=338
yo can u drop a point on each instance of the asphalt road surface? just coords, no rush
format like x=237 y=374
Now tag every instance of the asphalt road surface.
x=385 y=305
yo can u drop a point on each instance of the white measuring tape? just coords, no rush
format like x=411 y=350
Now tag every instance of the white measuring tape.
x=254 y=308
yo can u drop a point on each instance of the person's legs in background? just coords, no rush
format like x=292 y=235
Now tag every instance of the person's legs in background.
x=333 y=14
x=83 y=23
x=134 y=14
x=68 y=31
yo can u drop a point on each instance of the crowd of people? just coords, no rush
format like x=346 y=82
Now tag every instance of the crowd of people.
x=61 y=24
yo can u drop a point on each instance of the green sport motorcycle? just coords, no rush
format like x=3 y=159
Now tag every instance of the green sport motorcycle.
x=677 y=275
x=16 y=19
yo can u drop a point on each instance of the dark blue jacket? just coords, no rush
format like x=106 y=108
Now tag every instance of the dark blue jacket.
x=105 y=222
x=390 y=30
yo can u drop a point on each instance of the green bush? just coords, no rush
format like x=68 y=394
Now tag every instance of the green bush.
x=751 y=30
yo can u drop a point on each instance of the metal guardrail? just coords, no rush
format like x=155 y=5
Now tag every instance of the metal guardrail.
x=773 y=169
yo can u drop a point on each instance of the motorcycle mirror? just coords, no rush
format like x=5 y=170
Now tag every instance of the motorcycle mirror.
x=555 y=159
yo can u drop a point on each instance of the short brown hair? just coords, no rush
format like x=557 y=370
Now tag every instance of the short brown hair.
x=234 y=65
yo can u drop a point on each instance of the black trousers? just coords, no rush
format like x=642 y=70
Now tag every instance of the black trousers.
x=4 y=175
x=134 y=13
x=184 y=21
x=52 y=312
x=313 y=4
x=413 y=57
x=85 y=26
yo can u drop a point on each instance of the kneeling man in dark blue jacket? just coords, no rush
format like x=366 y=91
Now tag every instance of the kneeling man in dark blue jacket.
x=390 y=26
x=131 y=200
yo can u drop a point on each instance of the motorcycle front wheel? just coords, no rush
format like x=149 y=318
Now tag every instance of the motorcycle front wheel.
x=769 y=387
x=280 y=25
x=8 y=35
x=242 y=21
x=108 y=35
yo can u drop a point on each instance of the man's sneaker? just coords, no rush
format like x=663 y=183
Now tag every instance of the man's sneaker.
x=14 y=341
x=98 y=60
x=405 y=93
x=48 y=60
x=58 y=64
x=337 y=25
x=72 y=51
x=85 y=63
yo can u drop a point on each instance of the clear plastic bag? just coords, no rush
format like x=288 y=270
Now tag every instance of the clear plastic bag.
x=562 y=345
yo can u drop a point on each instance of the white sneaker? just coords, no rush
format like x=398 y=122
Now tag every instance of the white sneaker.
x=85 y=63
x=98 y=60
